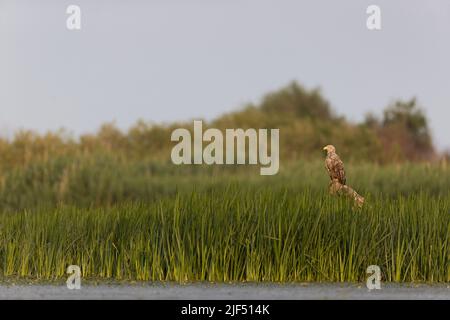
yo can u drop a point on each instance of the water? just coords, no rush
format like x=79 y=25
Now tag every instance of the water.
x=226 y=291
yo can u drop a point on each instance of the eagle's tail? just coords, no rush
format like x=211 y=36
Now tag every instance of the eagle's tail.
x=338 y=188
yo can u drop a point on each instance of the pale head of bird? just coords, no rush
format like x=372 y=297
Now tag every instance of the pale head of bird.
x=329 y=148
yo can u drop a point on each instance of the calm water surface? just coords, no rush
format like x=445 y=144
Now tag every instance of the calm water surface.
x=226 y=291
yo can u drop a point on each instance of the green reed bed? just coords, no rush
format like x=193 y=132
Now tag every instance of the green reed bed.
x=234 y=233
x=105 y=180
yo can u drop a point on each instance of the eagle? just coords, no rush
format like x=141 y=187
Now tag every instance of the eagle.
x=334 y=165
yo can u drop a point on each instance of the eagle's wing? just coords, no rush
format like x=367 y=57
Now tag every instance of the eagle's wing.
x=329 y=166
x=339 y=169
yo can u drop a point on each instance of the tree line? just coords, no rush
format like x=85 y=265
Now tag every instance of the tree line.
x=305 y=118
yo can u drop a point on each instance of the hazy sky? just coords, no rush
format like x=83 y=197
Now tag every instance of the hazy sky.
x=167 y=60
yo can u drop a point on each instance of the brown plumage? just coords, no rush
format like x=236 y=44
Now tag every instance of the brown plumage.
x=334 y=165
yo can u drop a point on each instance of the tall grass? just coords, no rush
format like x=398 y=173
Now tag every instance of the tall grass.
x=105 y=180
x=135 y=220
x=234 y=234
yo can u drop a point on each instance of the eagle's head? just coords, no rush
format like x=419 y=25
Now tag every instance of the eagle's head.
x=329 y=148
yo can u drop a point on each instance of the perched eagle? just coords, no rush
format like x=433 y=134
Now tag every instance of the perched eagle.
x=334 y=165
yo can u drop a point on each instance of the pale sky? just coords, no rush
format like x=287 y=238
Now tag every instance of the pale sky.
x=166 y=60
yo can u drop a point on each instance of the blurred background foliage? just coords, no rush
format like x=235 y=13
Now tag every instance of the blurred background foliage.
x=305 y=118
x=390 y=153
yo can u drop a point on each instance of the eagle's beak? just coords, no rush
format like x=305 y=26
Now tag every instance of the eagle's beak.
x=324 y=148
